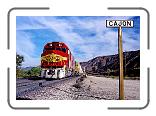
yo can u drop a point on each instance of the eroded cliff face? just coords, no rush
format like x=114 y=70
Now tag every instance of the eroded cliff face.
x=109 y=65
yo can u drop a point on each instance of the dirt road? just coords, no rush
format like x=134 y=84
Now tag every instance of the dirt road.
x=109 y=88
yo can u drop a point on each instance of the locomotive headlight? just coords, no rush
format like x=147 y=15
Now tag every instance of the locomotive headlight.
x=50 y=44
x=59 y=44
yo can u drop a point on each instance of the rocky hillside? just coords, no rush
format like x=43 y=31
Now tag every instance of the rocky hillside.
x=109 y=65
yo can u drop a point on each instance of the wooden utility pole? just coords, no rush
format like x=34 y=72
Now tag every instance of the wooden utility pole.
x=121 y=77
x=120 y=24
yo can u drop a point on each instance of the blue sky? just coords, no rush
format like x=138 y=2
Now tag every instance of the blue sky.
x=86 y=36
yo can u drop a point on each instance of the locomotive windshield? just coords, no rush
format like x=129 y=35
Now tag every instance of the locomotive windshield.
x=64 y=50
x=46 y=49
x=53 y=48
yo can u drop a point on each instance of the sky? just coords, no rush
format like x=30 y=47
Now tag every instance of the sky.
x=86 y=36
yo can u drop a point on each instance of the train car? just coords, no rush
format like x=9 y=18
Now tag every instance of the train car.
x=78 y=68
x=57 y=61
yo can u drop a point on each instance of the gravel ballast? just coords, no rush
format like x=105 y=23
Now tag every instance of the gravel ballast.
x=90 y=88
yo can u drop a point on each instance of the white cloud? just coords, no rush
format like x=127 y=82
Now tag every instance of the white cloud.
x=24 y=43
x=25 y=47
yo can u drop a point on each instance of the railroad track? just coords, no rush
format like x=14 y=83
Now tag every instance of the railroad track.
x=25 y=85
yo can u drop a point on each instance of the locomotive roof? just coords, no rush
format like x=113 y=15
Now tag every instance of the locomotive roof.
x=56 y=44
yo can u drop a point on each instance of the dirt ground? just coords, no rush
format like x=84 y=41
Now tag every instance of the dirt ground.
x=90 y=88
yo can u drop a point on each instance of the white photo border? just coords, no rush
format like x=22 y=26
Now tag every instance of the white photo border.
x=124 y=104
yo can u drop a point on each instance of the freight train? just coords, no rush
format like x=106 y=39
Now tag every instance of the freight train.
x=58 y=62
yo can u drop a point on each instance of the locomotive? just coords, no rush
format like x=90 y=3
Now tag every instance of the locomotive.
x=58 y=62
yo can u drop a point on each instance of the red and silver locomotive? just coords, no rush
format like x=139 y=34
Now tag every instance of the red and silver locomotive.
x=57 y=61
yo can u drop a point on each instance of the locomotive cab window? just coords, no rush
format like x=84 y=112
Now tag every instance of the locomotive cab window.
x=64 y=50
x=52 y=48
x=61 y=49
